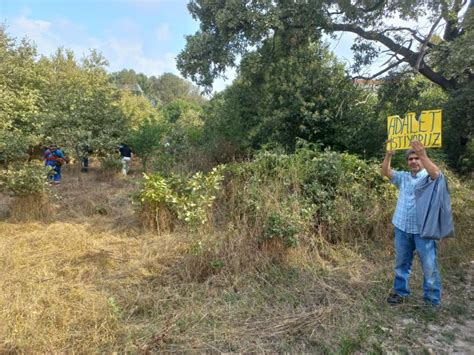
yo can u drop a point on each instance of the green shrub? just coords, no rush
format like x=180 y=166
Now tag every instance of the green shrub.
x=110 y=163
x=188 y=200
x=14 y=147
x=287 y=197
x=280 y=227
x=23 y=180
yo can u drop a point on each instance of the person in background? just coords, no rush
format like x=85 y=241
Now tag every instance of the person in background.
x=407 y=228
x=126 y=157
x=84 y=151
x=54 y=158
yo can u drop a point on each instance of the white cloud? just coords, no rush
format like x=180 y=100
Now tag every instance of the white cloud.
x=163 y=32
x=124 y=48
x=39 y=31
x=129 y=53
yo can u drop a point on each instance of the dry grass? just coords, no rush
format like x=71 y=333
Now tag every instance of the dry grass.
x=31 y=208
x=90 y=279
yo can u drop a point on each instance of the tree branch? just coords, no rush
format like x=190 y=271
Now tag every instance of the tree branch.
x=423 y=46
x=408 y=55
x=374 y=7
x=393 y=65
x=413 y=33
x=451 y=31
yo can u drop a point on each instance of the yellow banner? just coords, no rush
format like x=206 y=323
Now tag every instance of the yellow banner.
x=425 y=128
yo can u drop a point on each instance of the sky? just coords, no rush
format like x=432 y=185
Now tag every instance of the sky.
x=143 y=35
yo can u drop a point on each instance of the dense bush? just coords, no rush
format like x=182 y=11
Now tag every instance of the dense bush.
x=167 y=200
x=110 y=163
x=27 y=179
x=293 y=196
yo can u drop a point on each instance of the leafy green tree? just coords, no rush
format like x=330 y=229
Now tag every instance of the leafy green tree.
x=82 y=103
x=159 y=90
x=229 y=29
x=169 y=87
x=293 y=89
x=230 y=122
x=146 y=139
x=459 y=128
x=186 y=128
x=21 y=98
x=128 y=78
x=403 y=92
x=136 y=108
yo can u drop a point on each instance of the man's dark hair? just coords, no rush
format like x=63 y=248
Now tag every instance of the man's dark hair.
x=409 y=152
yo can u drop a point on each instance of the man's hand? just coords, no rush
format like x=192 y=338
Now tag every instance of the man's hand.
x=418 y=148
x=386 y=170
x=430 y=167
x=389 y=152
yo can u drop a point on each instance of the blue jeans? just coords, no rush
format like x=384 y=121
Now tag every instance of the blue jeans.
x=405 y=246
x=56 y=177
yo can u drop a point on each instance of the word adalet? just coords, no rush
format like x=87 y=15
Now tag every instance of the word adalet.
x=425 y=128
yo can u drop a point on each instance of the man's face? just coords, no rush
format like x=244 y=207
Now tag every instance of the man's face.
x=414 y=163
x=53 y=148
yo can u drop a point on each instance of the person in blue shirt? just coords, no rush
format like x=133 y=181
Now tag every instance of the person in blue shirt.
x=54 y=158
x=407 y=228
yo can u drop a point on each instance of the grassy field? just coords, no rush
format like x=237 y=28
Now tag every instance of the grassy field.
x=90 y=278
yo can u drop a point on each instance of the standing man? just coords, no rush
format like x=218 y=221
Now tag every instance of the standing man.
x=126 y=157
x=408 y=229
x=54 y=158
x=83 y=151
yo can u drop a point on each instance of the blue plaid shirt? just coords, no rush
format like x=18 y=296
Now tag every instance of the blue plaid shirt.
x=404 y=217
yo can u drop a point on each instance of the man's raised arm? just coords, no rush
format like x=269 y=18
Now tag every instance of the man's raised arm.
x=386 y=169
x=430 y=167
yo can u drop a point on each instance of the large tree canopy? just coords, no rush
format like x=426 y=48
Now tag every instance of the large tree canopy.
x=230 y=28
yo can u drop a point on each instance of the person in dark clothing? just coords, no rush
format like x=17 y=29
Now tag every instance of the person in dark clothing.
x=126 y=157
x=84 y=151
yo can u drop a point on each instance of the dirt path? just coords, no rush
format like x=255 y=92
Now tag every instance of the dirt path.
x=450 y=330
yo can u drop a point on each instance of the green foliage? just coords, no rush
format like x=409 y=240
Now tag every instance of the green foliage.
x=403 y=92
x=289 y=197
x=467 y=159
x=278 y=226
x=20 y=81
x=185 y=129
x=146 y=139
x=24 y=180
x=160 y=90
x=229 y=126
x=82 y=103
x=189 y=199
x=454 y=56
x=21 y=98
x=169 y=87
x=110 y=162
x=229 y=29
x=136 y=109
x=459 y=128
x=14 y=147
x=290 y=93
